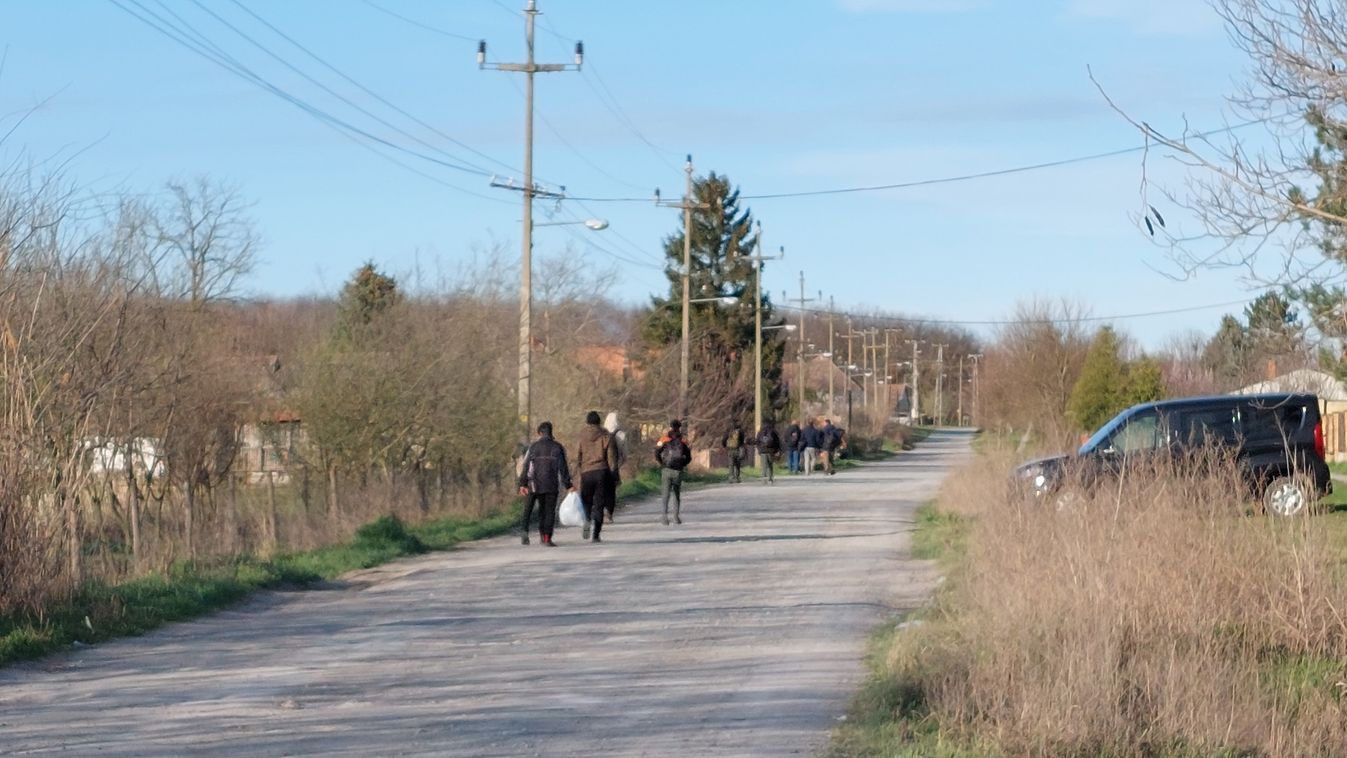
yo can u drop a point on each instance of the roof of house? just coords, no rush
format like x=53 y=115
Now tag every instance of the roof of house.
x=1326 y=386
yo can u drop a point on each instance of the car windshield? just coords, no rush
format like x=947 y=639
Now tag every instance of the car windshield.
x=1105 y=431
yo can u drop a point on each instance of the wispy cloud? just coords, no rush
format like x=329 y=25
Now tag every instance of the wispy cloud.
x=910 y=6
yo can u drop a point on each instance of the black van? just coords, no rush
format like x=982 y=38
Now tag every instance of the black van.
x=1277 y=438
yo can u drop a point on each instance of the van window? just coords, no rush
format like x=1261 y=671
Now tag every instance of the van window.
x=1209 y=426
x=1141 y=432
x=1260 y=421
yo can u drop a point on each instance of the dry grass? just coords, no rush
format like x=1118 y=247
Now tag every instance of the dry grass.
x=1154 y=618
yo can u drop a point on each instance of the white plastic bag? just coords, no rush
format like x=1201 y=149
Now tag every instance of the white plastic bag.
x=571 y=512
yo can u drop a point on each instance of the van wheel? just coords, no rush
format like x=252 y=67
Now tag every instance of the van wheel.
x=1287 y=496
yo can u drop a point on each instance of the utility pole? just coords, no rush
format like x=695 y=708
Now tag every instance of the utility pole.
x=940 y=385
x=877 y=369
x=832 y=359
x=977 y=388
x=687 y=205
x=888 y=380
x=799 y=345
x=757 y=328
x=916 y=382
x=960 y=420
x=529 y=191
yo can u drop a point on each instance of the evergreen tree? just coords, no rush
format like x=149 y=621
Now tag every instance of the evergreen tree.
x=1098 y=394
x=721 y=337
x=367 y=295
x=1226 y=355
x=1274 y=329
x=1145 y=383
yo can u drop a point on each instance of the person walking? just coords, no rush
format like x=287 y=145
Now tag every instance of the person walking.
x=542 y=474
x=793 y=448
x=831 y=440
x=769 y=446
x=596 y=460
x=619 y=438
x=673 y=455
x=811 y=438
x=733 y=442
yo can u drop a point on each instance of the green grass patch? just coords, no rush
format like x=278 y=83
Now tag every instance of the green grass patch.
x=939 y=536
x=888 y=717
x=99 y=611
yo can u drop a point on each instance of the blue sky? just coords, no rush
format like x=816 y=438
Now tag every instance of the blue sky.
x=779 y=96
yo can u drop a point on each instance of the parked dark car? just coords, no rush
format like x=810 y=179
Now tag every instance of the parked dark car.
x=1276 y=439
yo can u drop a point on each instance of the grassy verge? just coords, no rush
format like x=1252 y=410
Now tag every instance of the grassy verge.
x=100 y=612
x=888 y=717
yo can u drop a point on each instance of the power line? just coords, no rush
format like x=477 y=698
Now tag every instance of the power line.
x=467 y=167
x=414 y=22
x=203 y=48
x=371 y=92
x=610 y=101
x=1008 y=322
x=955 y=178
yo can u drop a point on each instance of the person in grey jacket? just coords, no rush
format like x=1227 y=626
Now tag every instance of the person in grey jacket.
x=543 y=473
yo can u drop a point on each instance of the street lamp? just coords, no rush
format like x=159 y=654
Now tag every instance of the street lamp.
x=595 y=224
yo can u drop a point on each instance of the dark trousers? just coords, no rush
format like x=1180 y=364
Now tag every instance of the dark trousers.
x=547 y=512
x=594 y=490
x=736 y=464
x=610 y=493
x=766 y=462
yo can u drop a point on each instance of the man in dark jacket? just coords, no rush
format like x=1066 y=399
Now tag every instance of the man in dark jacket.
x=832 y=439
x=811 y=438
x=596 y=460
x=673 y=454
x=734 y=447
x=793 y=447
x=541 y=477
x=769 y=446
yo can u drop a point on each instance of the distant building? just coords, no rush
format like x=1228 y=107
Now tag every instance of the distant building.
x=1332 y=392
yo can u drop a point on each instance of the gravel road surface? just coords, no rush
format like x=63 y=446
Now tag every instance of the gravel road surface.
x=738 y=633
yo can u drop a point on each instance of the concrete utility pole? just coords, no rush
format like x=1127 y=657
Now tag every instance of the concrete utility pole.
x=940 y=385
x=888 y=380
x=832 y=359
x=529 y=191
x=873 y=333
x=687 y=205
x=916 y=382
x=757 y=328
x=977 y=388
x=960 y=411
x=799 y=345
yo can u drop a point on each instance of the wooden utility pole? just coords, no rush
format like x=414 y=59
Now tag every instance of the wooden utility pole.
x=687 y=205
x=529 y=191
x=799 y=344
x=832 y=359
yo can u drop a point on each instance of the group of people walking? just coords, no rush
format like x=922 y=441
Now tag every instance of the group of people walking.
x=601 y=452
x=544 y=474
x=804 y=446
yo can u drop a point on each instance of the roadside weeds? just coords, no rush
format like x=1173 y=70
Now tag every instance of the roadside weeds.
x=99 y=612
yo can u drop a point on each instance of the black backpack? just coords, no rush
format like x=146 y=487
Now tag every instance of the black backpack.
x=768 y=441
x=675 y=454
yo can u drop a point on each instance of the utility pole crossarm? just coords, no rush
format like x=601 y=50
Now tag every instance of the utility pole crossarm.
x=528 y=190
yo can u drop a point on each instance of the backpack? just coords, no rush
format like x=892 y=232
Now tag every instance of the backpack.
x=768 y=441
x=734 y=439
x=675 y=454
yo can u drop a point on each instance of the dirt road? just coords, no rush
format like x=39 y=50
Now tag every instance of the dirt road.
x=739 y=633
